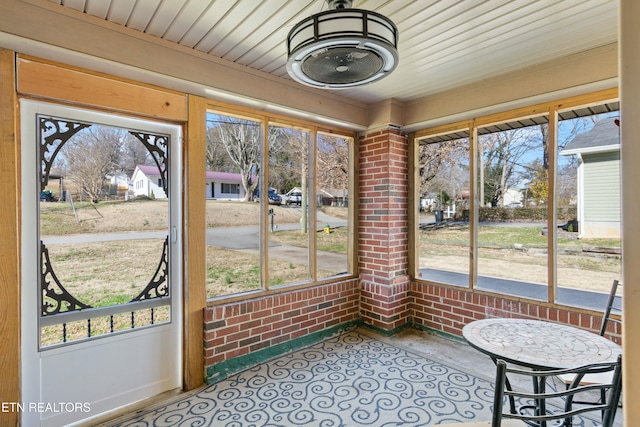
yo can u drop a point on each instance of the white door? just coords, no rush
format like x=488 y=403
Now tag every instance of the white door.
x=101 y=319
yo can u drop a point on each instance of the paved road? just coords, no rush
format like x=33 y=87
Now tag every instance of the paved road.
x=246 y=239
x=224 y=237
x=243 y=239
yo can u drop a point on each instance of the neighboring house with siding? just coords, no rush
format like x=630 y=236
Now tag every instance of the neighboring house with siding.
x=145 y=181
x=599 y=183
x=512 y=195
x=219 y=185
x=224 y=186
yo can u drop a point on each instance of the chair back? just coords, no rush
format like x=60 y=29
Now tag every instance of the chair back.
x=555 y=405
x=610 y=305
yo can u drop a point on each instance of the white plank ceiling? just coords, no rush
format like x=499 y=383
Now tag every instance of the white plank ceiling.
x=442 y=43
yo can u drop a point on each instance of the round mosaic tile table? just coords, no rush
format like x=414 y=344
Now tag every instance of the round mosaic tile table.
x=539 y=345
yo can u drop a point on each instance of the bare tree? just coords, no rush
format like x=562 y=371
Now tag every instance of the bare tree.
x=241 y=140
x=442 y=167
x=93 y=154
x=216 y=156
x=133 y=153
x=567 y=177
x=333 y=162
x=503 y=158
x=288 y=157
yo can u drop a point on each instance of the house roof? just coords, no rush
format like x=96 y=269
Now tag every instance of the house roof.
x=151 y=170
x=605 y=136
x=223 y=176
x=333 y=192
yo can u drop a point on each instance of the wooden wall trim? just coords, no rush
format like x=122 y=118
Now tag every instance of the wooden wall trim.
x=541 y=109
x=225 y=108
x=9 y=244
x=445 y=129
x=630 y=154
x=50 y=81
x=588 y=99
x=194 y=232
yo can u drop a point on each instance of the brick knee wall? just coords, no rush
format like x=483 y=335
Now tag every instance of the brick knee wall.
x=447 y=309
x=239 y=328
x=241 y=334
x=385 y=307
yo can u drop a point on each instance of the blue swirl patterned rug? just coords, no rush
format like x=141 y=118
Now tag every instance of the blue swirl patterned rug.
x=348 y=380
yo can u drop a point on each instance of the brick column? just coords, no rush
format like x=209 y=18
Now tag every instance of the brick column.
x=383 y=229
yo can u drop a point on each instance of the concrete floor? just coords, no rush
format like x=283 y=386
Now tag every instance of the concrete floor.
x=455 y=353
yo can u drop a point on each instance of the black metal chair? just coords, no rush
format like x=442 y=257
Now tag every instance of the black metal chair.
x=610 y=306
x=606 y=318
x=544 y=407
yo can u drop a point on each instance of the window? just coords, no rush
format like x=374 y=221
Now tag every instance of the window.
x=588 y=190
x=230 y=188
x=333 y=209
x=233 y=149
x=512 y=176
x=537 y=204
x=443 y=244
x=290 y=225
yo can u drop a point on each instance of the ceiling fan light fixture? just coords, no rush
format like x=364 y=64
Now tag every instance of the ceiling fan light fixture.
x=342 y=48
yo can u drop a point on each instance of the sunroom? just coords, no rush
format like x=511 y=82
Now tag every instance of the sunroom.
x=432 y=198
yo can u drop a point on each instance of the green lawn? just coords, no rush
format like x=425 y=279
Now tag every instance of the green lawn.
x=336 y=241
x=506 y=236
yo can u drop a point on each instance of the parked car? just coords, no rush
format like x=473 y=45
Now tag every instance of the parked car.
x=293 y=197
x=274 y=198
x=514 y=205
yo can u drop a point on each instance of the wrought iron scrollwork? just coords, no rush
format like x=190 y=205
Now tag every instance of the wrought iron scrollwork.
x=158 y=286
x=158 y=146
x=53 y=289
x=54 y=133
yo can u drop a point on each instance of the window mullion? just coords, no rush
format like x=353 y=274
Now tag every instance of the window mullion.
x=311 y=200
x=552 y=206
x=476 y=193
x=264 y=204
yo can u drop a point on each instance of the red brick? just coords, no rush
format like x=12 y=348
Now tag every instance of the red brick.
x=222 y=332
x=261 y=314
x=239 y=319
x=238 y=336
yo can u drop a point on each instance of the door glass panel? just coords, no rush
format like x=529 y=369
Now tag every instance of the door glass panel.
x=103 y=225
